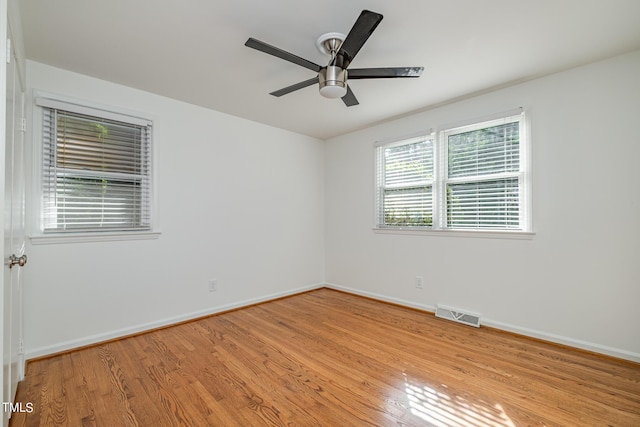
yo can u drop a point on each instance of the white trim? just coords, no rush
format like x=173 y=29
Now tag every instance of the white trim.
x=440 y=232
x=407 y=139
x=559 y=339
x=53 y=102
x=526 y=189
x=385 y=298
x=456 y=127
x=141 y=328
x=531 y=333
x=4 y=356
x=34 y=220
x=14 y=25
x=97 y=338
x=440 y=180
x=107 y=236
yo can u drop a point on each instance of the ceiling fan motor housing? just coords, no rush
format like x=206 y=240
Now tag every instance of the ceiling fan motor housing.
x=333 y=82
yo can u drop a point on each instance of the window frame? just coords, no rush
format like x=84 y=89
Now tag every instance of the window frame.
x=441 y=165
x=38 y=235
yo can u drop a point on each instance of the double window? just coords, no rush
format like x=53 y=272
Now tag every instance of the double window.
x=470 y=177
x=96 y=170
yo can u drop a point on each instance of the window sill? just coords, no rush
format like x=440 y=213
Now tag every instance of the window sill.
x=485 y=234
x=46 y=239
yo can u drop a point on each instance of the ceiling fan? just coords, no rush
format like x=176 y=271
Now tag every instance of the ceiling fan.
x=332 y=78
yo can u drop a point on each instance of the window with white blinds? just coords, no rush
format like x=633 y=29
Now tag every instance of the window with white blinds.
x=483 y=176
x=96 y=170
x=468 y=177
x=406 y=183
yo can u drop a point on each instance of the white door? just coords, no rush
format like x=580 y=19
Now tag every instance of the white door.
x=14 y=233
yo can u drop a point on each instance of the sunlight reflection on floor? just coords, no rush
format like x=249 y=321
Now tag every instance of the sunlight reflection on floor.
x=440 y=409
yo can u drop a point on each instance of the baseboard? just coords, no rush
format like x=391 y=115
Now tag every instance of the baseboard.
x=569 y=342
x=380 y=297
x=141 y=328
x=532 y=333
x=144 y=327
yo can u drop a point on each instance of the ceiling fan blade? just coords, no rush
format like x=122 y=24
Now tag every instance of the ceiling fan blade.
x=294 y=87
x=272 y=50
x=385 y=73
x=359 y=34
x=350 y=99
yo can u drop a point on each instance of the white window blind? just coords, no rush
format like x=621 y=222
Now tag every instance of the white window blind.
x=406 y=177
x=96 y=170
x=483 y=176
x=467 y=177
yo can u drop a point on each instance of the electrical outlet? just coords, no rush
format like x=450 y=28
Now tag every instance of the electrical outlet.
x=419 y=282
x=213 y=285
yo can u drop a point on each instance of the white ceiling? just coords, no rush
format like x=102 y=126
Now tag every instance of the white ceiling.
x=193 y=50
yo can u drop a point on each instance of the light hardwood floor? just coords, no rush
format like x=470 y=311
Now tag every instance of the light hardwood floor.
x=326 y=358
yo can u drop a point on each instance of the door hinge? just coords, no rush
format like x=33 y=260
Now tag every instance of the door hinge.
x=21 y=347
x=8 y=51
x=23 y=124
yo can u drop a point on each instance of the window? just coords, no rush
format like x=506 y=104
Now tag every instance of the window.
x=468 y=177
x=406 y=183
x=96 y=170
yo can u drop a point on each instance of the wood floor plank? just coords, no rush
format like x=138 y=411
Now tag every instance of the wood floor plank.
x=327 y=358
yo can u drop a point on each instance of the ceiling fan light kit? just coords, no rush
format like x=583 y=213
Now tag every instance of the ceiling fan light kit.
x=332 y=78
x=332 y=82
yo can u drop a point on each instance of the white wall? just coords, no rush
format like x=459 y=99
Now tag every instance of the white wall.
x=239 y=202
x=578 y=280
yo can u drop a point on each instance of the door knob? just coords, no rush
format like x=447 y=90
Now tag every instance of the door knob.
x=20 y=261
